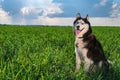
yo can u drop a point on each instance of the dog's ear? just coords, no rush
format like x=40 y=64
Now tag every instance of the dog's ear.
x=87 y=17
x=78 y=15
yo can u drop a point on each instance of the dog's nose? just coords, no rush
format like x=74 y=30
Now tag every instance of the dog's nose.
x=78 y=27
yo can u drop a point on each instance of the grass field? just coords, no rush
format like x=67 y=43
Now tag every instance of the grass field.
x=47 y=53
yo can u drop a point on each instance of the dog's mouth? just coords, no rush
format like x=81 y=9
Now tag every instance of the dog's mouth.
x=78 y=31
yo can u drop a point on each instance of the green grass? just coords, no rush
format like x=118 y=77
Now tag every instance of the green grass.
x=47 y=53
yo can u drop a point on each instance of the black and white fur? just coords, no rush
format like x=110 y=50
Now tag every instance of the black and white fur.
x=87 y=48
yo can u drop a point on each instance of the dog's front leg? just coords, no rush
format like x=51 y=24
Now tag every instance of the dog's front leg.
x=78 y=60
x=89 y=65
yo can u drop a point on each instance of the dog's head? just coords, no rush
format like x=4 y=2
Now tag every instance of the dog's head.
x=82 y=26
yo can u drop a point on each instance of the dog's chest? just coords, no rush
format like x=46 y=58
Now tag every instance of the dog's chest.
x=82 y=51
x=80 y=43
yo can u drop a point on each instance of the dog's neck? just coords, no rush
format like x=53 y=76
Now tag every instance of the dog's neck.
x=83 y=37
x=83 y=34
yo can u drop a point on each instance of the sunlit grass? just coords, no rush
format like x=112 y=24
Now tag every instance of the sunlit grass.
x=47 y=53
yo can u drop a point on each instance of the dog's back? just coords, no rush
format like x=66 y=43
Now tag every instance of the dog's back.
x=95 y=52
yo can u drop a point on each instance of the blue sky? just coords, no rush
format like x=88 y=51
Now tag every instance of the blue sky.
x=57 y=12
x=92 y=8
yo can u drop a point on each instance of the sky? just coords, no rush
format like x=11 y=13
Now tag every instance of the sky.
x=59 y=12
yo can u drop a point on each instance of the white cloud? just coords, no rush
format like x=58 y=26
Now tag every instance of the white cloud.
x=30 y=10
x=101 y=3
x=43 y=7
x=4 y=17
x=56 y=21
x=48 y=7
x=115 y=6
x=26 y=10
x=115 y=10
x=52 y=8
x=105 y=21
x=46 y=21
x=95 y=21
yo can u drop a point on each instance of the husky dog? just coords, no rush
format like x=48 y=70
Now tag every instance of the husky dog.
x=87 y=48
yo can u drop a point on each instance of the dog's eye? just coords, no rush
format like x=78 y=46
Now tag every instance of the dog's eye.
x=77 y=23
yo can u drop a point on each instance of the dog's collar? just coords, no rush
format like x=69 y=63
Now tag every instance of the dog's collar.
x=84 y=37
x=80 y=37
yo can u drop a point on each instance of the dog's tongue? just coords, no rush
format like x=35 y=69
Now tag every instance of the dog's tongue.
x=77 y=32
